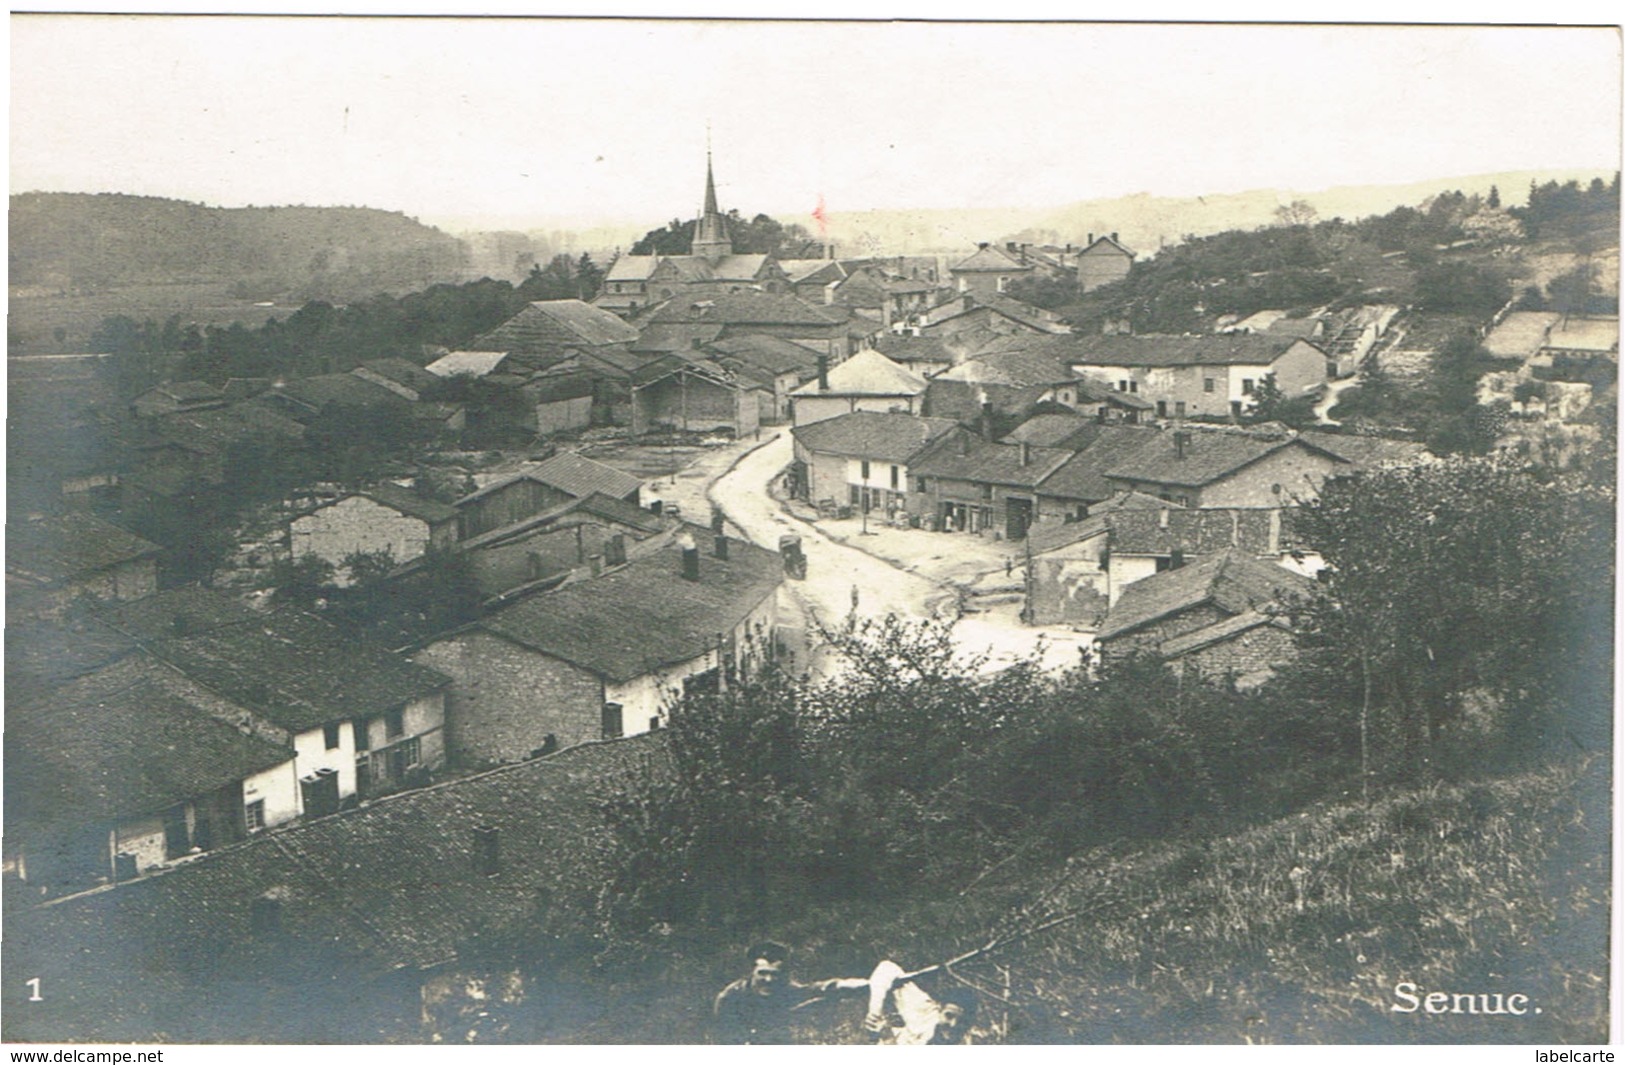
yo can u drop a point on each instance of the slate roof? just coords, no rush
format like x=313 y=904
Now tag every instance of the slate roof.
x=885 y=437
x=1098 y=449
x=298 y=671
x=645 y=615
x=1225 y=349
x=99 y=749
x=392 y=885
x=472 y=363
x=747 y=308
x=867 y=373
x=1233 y=581
x=66 y=546
x=990 y=259
x=1209 y=456
x=546 y=325
x=987 y=463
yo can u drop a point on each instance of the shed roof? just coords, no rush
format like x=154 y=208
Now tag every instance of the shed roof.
x=644 y=615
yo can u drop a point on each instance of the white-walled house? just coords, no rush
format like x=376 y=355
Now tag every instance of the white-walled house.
x=861 y=459
x=385 y=519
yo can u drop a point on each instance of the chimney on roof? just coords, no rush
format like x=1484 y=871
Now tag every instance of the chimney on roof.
x=987 y=418
x=720 y=546
x=1114 y=237
x=982 y=246
x=691 y=558
x=1009 y=245
x=1026 y=453
x=487 y=850
x=1182 y=440
x=1178 y=559
x=823 y=372
x=1091 y=240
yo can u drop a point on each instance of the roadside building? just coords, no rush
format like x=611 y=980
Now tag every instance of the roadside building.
x=862 y=459
x=685 y=394
x=607 y=657
x=964 y=483
x=866 y=381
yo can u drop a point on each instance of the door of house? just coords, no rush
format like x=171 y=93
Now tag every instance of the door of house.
x=1018 y=516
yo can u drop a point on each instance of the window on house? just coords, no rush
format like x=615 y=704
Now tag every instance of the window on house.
x=254 y=815
x=362 y=740
x=330 y=736
x=865 y=469
x=404 y=756
x=394 y=723
x=1133 y=385
x=987 y=491
x=1164 y=563
x=611 y=721
x=1179 y=408
x=363 y=773
x=1122 y=386
x=1246 y=386
x=1208 y=384
x=854 y=495
x=894 y=476
x=922 y=486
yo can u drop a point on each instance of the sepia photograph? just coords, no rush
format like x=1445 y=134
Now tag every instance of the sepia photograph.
x=833 y=531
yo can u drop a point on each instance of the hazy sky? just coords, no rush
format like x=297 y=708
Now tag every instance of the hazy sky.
x=508 y=119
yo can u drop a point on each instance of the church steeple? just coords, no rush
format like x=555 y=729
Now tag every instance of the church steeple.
x=711 y=240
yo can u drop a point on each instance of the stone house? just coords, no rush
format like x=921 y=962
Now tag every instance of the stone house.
x=1218 y=468
x=53 y=562
x=1077 y=485
x=1008 y=385
x=559 y=399
x=1067 y=575
x=989 y=270
x=977 y=319
x=606 y=657
x=581 y=534
x=1226 y=616
x=1102 y=261
x=539 y=487
x=862 y=459
x=777 y=365
x=866 y=381
x=1215 y=376
x=1153 y=540
x=384 y=519
x=965 y=483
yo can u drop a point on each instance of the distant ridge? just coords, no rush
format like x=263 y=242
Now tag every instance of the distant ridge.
x=82 y=242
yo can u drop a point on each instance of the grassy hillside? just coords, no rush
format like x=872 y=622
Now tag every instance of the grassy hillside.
x=72 y=243
x=1296 y=931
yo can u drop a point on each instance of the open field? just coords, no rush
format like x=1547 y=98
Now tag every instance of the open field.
x=35 y=320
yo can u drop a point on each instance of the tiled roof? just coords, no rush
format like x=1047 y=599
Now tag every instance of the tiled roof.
x=1098 y=449
x=401 y=372
x=804 y=271
x=390 y=886
x=216 y=430
x=1367 y=450
x=70 y=545
x=1233 y=581
x=1245 y=621
x=1016 y=311
x=1106 y=244
x=1047 y=536
x=738 y=267
x=472 y=363
x=964 y=457
x=644 y=615
x=748 y=308
x=632 y=268
x=558 y=384
x=546 y=325
x=1015 y=369
x=580 y=476
x=903 y=349
x=298 y=671
x=1297 y=328
x=675 y=336
x=339 y=390
x=1226 y=349
x=190 y=391
x=599 y=505
x=1209 y=456
x=410 y=503
x=989 y=259
x=885 y=437
x=1204 y=531
x=44 y=654
x=772 y=354
x=1048 y=430
x=99 y=748
x=191 y=609
x=867 y=373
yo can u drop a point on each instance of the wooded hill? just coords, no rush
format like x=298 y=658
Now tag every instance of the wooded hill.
x=76 y=243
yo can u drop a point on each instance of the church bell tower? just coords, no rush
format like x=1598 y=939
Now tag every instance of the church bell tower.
x=711 y=241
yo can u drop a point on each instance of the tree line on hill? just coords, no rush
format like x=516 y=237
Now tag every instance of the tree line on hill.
x=1306 y=262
